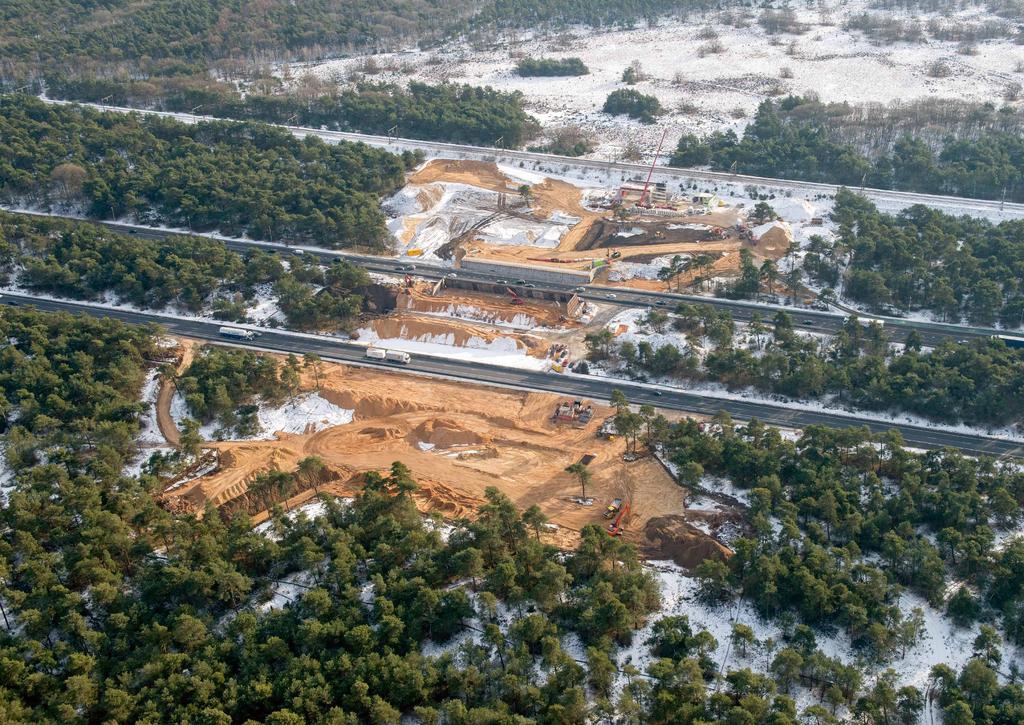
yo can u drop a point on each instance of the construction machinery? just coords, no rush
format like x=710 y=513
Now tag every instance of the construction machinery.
x=613 y=508
x=516 y=300
x=573 y=412
x=617 y=527
x=608 y=429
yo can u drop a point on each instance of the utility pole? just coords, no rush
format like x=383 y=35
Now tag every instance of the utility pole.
x=392 y=132
x=499 y=142
x=193 y=111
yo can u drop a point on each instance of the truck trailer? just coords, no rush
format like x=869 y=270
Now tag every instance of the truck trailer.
x=379 y=353
x=238 y=333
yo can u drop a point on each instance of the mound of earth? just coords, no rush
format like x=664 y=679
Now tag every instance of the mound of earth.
x=670 y=537
x=368 y=406
x=384 y=433
x=445 y=433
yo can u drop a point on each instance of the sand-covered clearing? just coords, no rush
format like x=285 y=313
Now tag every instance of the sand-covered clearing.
x=458 y=440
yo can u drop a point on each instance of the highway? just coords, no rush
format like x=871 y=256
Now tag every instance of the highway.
x=950 y=204
x=932 y=333
x=569 y=385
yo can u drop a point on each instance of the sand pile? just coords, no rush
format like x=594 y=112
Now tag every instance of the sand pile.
x=369 y=405
x=670 y=537
x=445 y=433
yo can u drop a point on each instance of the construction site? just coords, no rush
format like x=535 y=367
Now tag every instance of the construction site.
x=458 y=439
x=506 y=221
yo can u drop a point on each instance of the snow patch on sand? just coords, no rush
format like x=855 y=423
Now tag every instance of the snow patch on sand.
x=306 y=413
x=621 y=271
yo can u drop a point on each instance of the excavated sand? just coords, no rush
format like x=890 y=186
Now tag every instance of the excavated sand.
x=459 y=333
x=480 y=307
x=458 y=439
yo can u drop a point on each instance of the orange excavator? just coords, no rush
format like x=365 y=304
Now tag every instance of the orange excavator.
x=516 y=299
x=616 y=527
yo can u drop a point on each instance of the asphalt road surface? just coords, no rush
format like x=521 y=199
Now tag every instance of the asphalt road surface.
x=568 y=385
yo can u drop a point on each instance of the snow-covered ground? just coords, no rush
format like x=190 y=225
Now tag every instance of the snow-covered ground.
x=641 y=270
x=264 y=308
x=150 y=431
x=702 y=90
x=438 y=212
x=6 y=478
x=311 y=509
x=150 y=438
x=287 y=590
x=305 y=413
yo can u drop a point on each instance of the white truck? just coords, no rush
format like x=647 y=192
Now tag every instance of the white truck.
x=237 y=333
x=379 y=353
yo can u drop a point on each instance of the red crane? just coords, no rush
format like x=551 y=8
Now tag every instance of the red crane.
x=647 y=184
x=516 y=299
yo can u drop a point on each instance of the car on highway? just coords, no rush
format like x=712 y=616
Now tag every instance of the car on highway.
x=502 y=281
x=409 y=267
x=451 y=275
x=659 y=303
x=807 y=321
x=520 y=281
x=579 y=289
x=611 y=296
x=531 y=285
x=657 y=393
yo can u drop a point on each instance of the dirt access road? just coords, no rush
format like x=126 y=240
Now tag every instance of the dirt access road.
x=168 y=428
